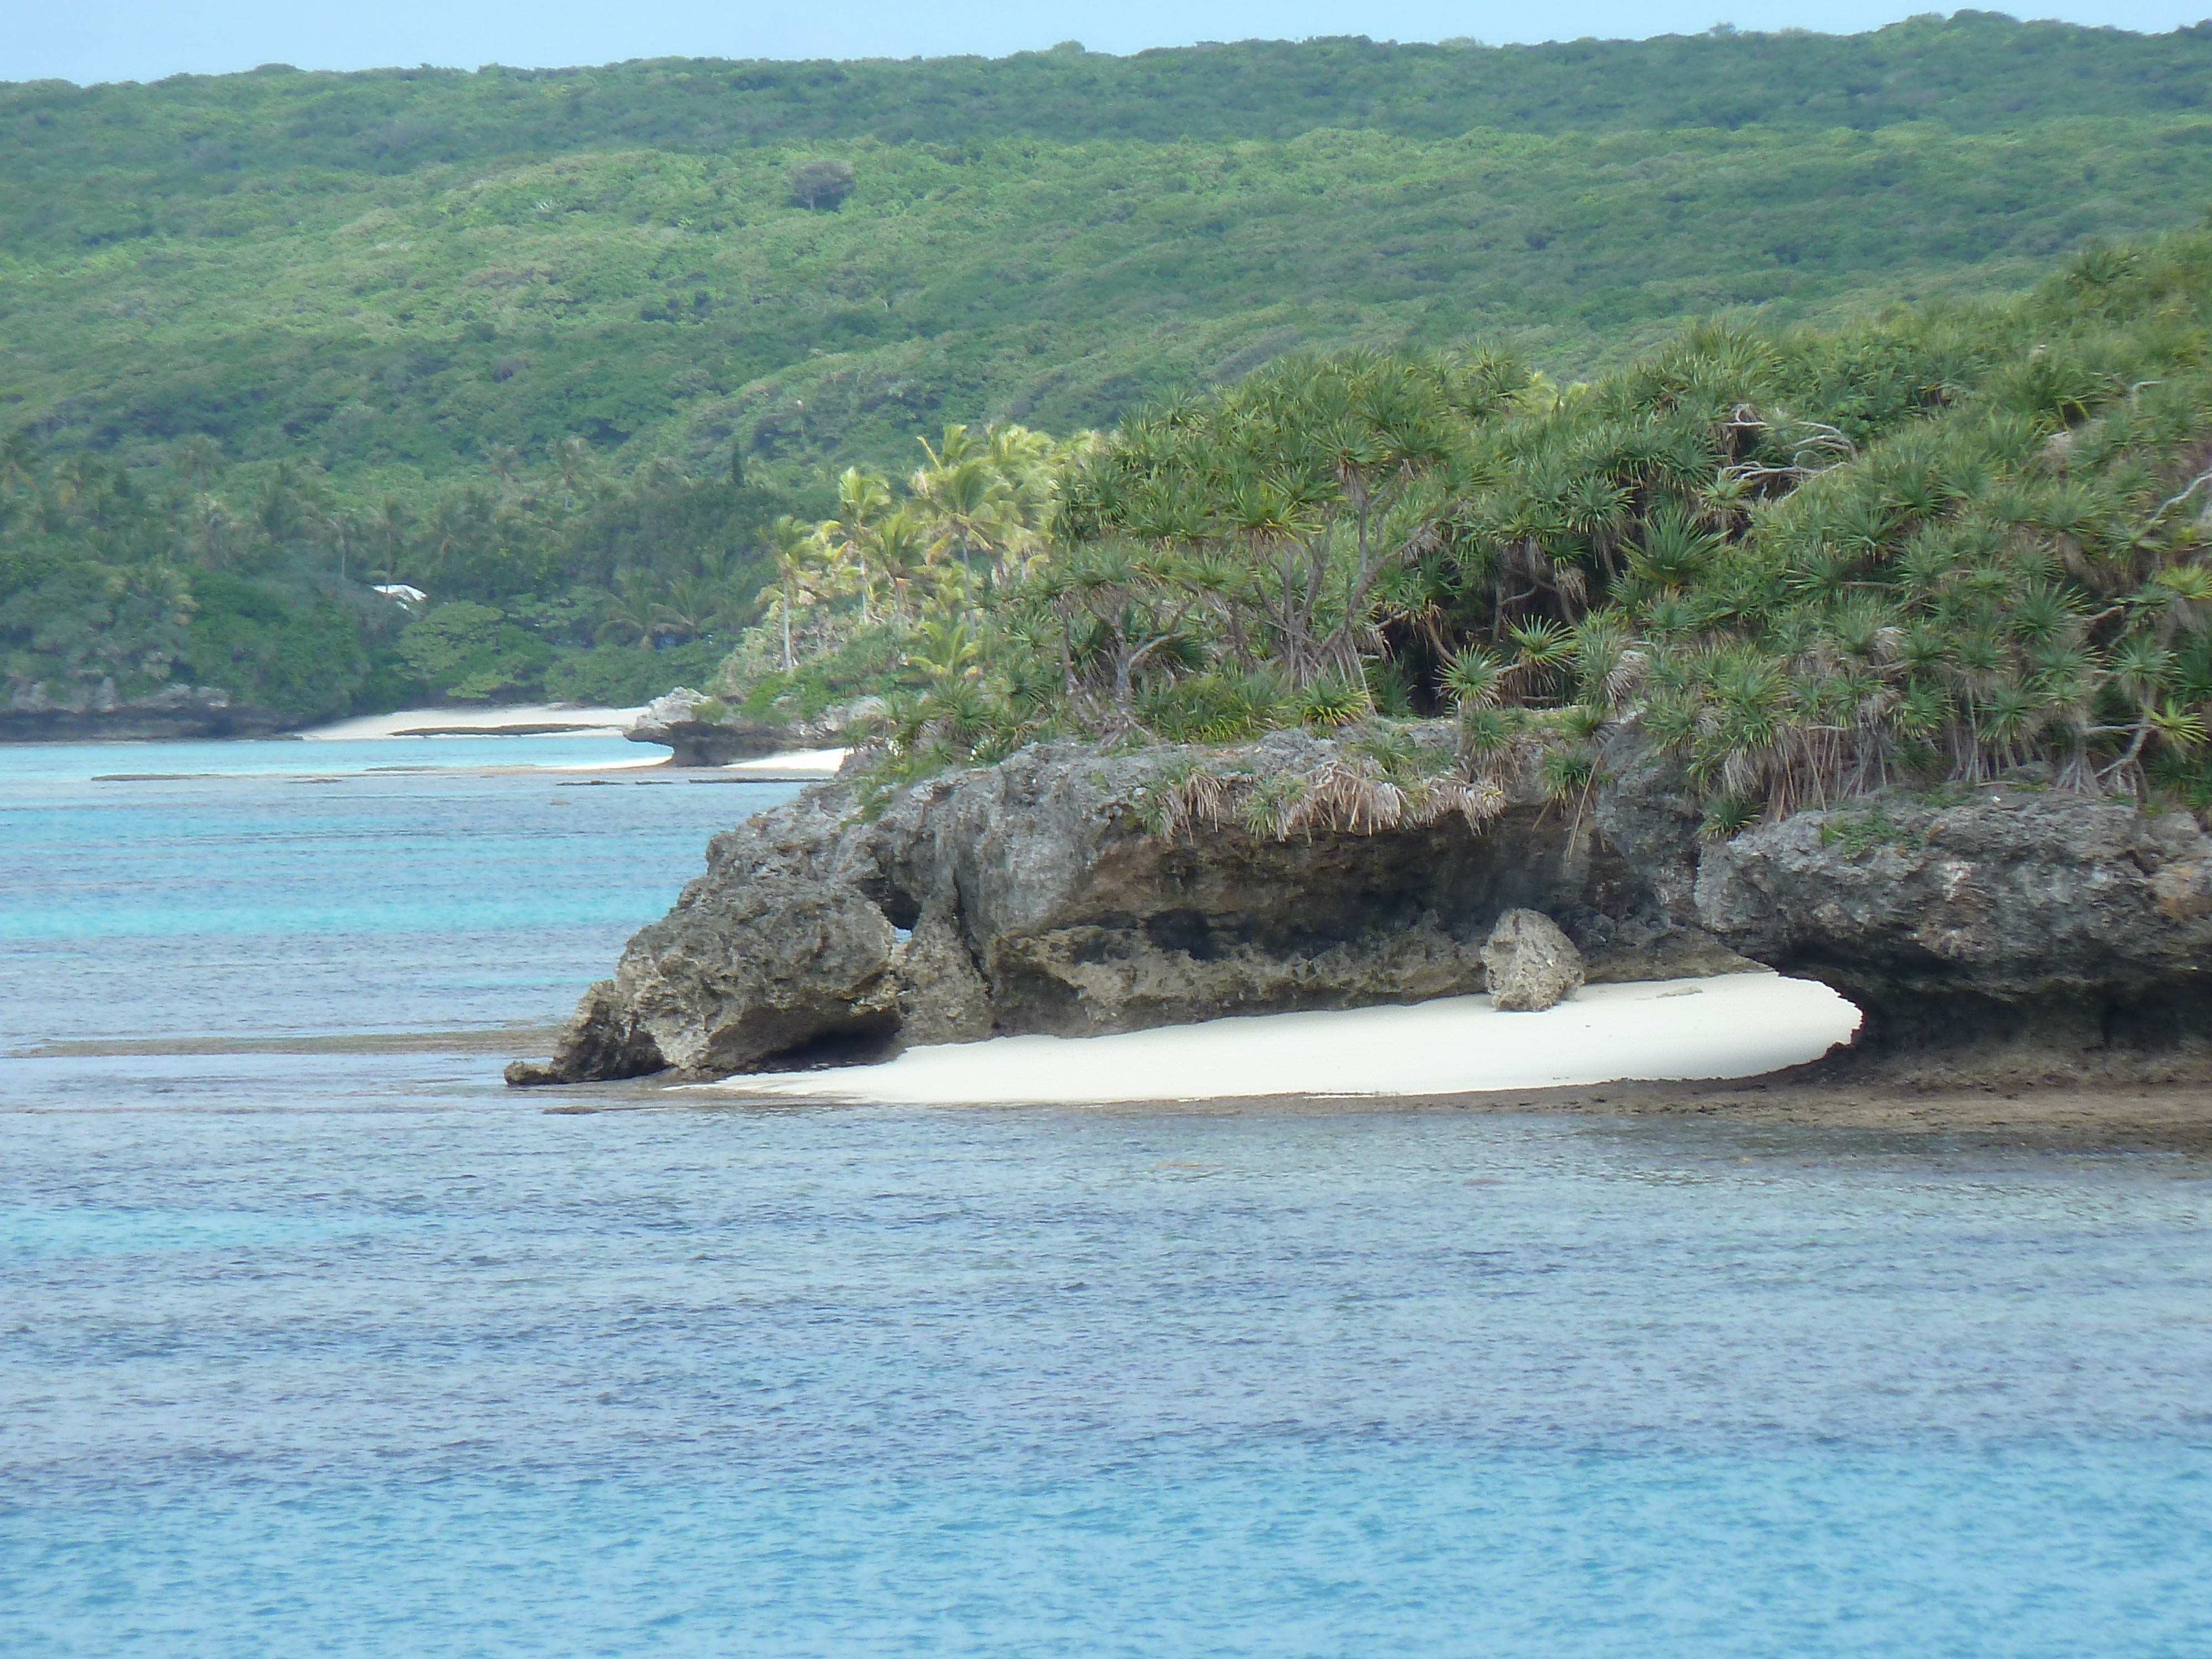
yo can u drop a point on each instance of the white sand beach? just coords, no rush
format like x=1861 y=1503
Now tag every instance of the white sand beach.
x=551 y=720
x=573 y=722
x=1728 y=1026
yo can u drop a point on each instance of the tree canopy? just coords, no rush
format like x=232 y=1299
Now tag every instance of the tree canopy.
x=566 y=345
x=1811 y=564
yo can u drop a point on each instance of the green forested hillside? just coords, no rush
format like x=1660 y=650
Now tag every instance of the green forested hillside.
x=461 y=329
x=1976 y=71
x=392 y=274
x=675 y=304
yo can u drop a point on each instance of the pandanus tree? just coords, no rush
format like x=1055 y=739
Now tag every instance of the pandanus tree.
x=1806 y=565
x=1122 y=607
x=1310 y=482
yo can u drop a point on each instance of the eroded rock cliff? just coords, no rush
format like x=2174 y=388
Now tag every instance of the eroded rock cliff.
x=95 y=714
x=2012 y=916
x=1037 y=896
x=1042 y=895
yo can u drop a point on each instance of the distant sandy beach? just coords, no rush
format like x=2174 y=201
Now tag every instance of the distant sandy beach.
x=552 y=720
x=545 y=718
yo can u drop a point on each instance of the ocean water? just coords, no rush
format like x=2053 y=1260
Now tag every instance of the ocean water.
x=358 y=1353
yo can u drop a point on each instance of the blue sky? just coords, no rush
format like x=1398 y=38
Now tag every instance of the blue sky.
x=138 y=40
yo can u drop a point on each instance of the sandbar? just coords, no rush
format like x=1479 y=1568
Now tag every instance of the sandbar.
x=533 y=719
x=1730 y=1025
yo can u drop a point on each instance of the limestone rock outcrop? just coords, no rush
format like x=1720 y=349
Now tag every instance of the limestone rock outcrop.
x=942 y=996
x=1042 y=894
x=2013 y=915
x=713 y=736
x=670 y=721
x=1531 y=965
x=1039 y=900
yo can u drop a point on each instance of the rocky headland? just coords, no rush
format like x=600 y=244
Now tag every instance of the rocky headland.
x=1071 y=890
x=698 y=730
x=95 y=714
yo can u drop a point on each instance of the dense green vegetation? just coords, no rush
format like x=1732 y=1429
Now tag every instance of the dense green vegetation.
x=1810 y=562
x=562 y=345
x=553 y=581
x=392 y=274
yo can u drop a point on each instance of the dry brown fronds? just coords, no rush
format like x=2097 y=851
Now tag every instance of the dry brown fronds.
x=1201 y=799
x=1479 y=800
x=1349 y=794
x=1347 y=799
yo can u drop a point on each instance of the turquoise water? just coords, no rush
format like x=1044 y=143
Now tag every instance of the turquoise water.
x=26 y=765
x=318 y=899
x=359 y=1354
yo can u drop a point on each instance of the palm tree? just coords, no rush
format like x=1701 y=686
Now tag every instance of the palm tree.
x=634 y=611
x=572 y=465
x=387 y=522
x=696 y=606
x=197 y=459
x=863 y=499
x=16 y=452
x=903 y=551
x=956 y=444
x=789 y=543
x=212 y=519
x=505 y=465
x=963 y=501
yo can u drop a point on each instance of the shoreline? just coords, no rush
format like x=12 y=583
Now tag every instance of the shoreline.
x=2000 y=1112
x=2080 y=1117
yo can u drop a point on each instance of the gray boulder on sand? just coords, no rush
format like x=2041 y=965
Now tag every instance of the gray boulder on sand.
x=1532 y=965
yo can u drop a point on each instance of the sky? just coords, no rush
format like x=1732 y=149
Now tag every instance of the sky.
x=90 y=40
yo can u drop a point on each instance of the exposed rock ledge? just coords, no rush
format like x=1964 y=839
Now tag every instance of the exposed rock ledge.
x=35 y=714
x=1030 y=898
x=675 y=722
x=2028 y=934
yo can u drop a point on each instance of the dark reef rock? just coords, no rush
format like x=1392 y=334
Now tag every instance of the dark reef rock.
x=35 y=714
x=1032 y=897
x=1038 y=901
x=2060 y=923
